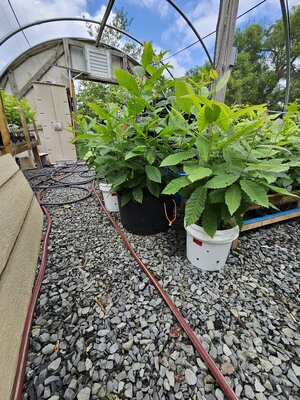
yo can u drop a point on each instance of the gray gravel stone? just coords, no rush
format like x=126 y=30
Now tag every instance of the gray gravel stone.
x=128 y=392
x=277 y=371
x=54 y=365
x=44 y=338
x=292 y=377
x=49 y=349
x=296 y=369
x=81 y=366
x=258 y=386
x=249 y=392
x=116 y=320
x=73 y=384
x=190 y=377
x=84 y=394
x=114 y=348
x=69 y=394
x=128 y=345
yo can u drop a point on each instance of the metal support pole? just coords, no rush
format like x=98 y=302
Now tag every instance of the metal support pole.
x=224 y=40
x=104 y=20
x=287 y=31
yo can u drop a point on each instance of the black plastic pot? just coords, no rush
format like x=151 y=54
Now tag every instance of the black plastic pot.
x=149 y=217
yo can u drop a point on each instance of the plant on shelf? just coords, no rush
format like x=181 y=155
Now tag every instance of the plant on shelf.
x=12 y=113
x=284 y=137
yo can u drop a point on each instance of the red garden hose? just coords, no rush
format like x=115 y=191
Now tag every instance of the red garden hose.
x=190 y=333
x=17 y=389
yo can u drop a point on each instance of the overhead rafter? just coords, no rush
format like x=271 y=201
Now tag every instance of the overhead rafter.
x=62 y=19
x=192 y=27
x=104 y=20
x=58 y=19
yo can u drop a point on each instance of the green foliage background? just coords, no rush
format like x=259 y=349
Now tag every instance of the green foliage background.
x=260 y=70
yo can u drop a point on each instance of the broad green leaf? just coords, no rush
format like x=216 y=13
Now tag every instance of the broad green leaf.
x=195 y=172
x=136 y=152
x=177 y=158
x=199 y=100
x=176 y=184
x=202 y=123
x=233 y=197
x=222 y=181
x=212 y=113
x=226 y=216
x=150 y=156
x=203 y=146
x=195 y=205
x=213 y=74
x=137 y=105
x=102 y=130
x=224 y=120
x=209 y=221
x=155 y=76
x=147 y=55
x=99 y=111
x=127 y=81
x=272 y=146
x=222 y=82
x=153 y=173
x=246 y=129
x=181 y=89
x=125 y=198
x=204 y=91
x=131 y=154
x=268 y=167
x=119 y=179
x=216 y=196
x=137 y=194
x=153 y=188
x=139 y=71
x=247 y=111
x=136 y=127
x=256 y=192
x=84 y=136
x=281 y=191
x=151 y=69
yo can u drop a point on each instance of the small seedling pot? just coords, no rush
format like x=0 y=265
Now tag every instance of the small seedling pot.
x=206 y=253
x=110 y=198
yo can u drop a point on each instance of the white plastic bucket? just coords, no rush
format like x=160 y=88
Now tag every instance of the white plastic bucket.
x=206 y=253
x=110 y=199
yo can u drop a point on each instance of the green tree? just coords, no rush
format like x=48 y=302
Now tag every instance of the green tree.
x=99 y=93
x=260 y=70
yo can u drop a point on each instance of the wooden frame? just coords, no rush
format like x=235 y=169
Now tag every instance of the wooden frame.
x=12 y=148
x=276 y=199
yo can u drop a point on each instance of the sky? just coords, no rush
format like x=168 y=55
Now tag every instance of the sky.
x=153 y=20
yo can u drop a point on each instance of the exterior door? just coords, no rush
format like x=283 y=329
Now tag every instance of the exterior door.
x=53 y=113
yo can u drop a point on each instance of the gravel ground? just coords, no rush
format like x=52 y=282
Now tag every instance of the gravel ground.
x=100 y=330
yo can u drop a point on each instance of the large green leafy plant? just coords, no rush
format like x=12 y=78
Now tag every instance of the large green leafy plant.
x=129 y=145
x=226 y=160
x=11 y=107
